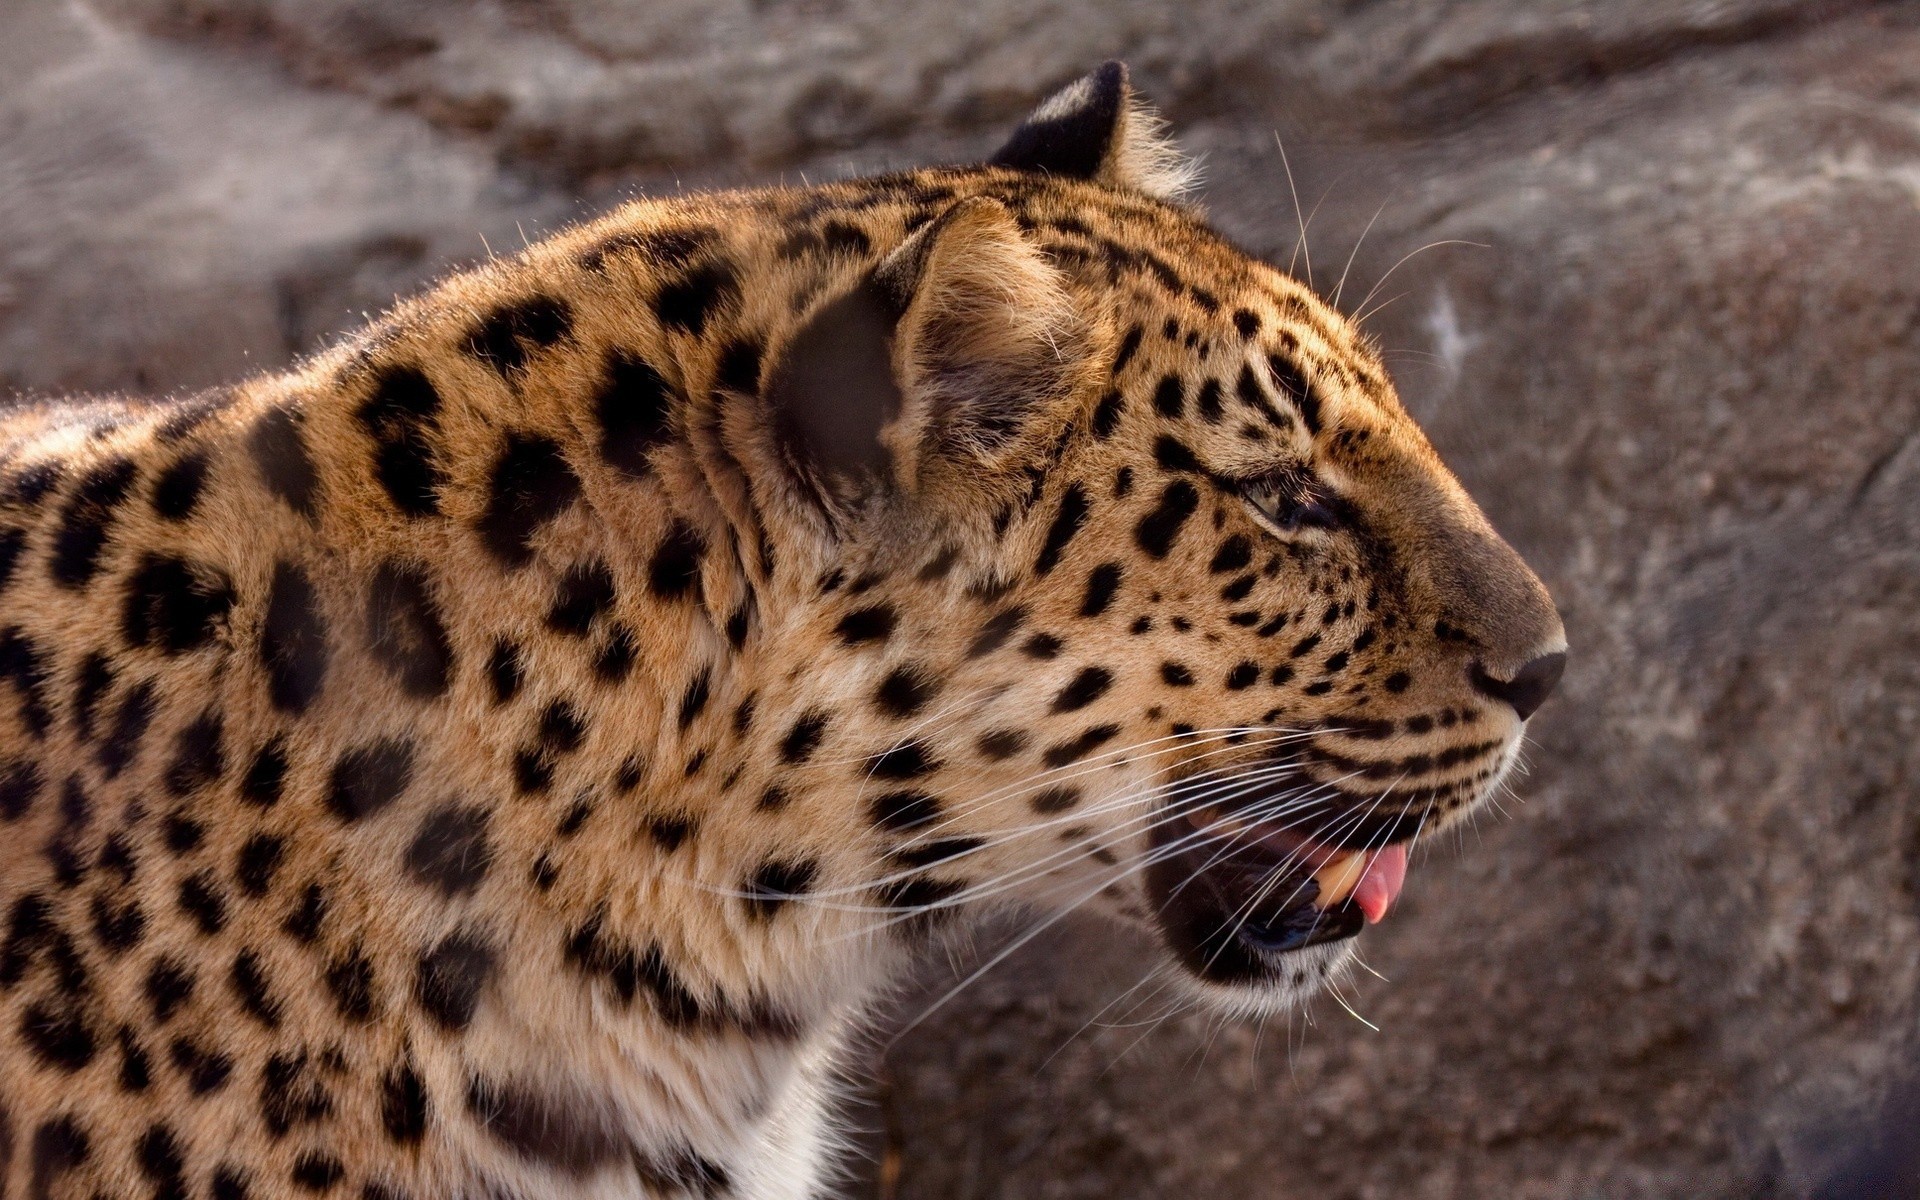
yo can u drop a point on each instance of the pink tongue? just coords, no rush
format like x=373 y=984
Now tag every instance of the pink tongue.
x=1380 y=886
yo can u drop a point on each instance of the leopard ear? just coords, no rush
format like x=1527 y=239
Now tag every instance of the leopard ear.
x=1096 y=128
x=990 y=345
x=956 y=347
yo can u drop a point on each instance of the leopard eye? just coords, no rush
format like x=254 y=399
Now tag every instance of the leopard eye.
x=1290 y=501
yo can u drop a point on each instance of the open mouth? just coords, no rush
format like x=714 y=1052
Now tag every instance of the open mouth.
x=1234 y=897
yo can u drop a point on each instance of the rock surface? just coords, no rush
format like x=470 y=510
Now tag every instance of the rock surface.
x=1662 y=314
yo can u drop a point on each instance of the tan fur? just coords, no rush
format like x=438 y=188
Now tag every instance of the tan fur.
x=637 y=853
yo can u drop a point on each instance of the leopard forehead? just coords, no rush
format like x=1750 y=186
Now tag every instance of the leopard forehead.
x=510 y=746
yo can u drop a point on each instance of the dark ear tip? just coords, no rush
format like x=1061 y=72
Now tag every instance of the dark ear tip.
x=1073 y=130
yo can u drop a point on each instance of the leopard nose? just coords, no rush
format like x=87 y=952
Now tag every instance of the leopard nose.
x=1530 y=685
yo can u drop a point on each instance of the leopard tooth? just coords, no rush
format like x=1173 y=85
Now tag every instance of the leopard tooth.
x=1338 y=877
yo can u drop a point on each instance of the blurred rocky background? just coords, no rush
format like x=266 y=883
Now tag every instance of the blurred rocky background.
x=1649 y=270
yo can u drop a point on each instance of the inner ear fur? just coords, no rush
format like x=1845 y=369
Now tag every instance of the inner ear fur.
x=961 y=348
x=990 y=348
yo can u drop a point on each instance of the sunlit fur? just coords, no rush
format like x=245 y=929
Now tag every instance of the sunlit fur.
x=497 y=757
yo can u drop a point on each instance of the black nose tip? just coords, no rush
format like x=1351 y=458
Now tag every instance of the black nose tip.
x=1530 y=685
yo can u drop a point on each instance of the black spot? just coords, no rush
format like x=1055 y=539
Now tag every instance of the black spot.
x=1086 y=687
x=21 y=663
x=1157 y=530
x=1175 y=675
x=12 y=541
x=181 y=833
x=350 y=981
x=231 y=1183
x=122 y=743
x=531 y=484
x=628 y=775
x=1086 y=743
x=28 y=930
x=1281 y=675
x=1243 y=676
x=1237 y=590
x=585 y=592
x=632 y=407
x=59 y=1146
x=405 y=632
x=737 y=625
x=688 y=302
x=1234 y=554
x=1211 y=409
x=910 y=761
x=136 y=1069
x=1102 y=583
x=1106 y=415
x=267 y=775
x=693 y=701
x=561 y=728
x=1066 y=523
x=197 y=757
x=280 y=455
x=873 y=623
x=775 y=884
x=451 y=851
x=291 y=1095
x=1043 y=646
x=905 y=691
x=1398 y=682
x=803 y=738
x=1001 y=744
x=451 y=978
x=20 y=784
x=739 y=369
x=401 y=417
x=200 y=898
x=508 y=335
x=176 y=493
x=504 y=672
x=1172 y=454
x=1129 y=345
x=996 y=631
x=293 y=640
x=59 y=1037
x=1246 y=321
x=668 y=832
x=1288 y=376
x=368 y=778
x=905 y=811
x=404 y=1106
x=248 y=979
x=85 y=520
x=532 y=771
x=675 y=567
x=206 y=1070
x=564 y=1134
x=91 y=681
x=1055 y=799
x=174 y=604
x=118 y=928
x=303 y=923
x=158 y=1155
x=316 y=1171
x=1170 y=397
x=662 y=247
x=168 y=985
x=1304 y=646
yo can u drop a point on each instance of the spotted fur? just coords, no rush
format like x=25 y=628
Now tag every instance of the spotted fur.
x=507 y=754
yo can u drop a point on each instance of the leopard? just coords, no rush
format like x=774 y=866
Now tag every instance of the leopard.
x=517 y=750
